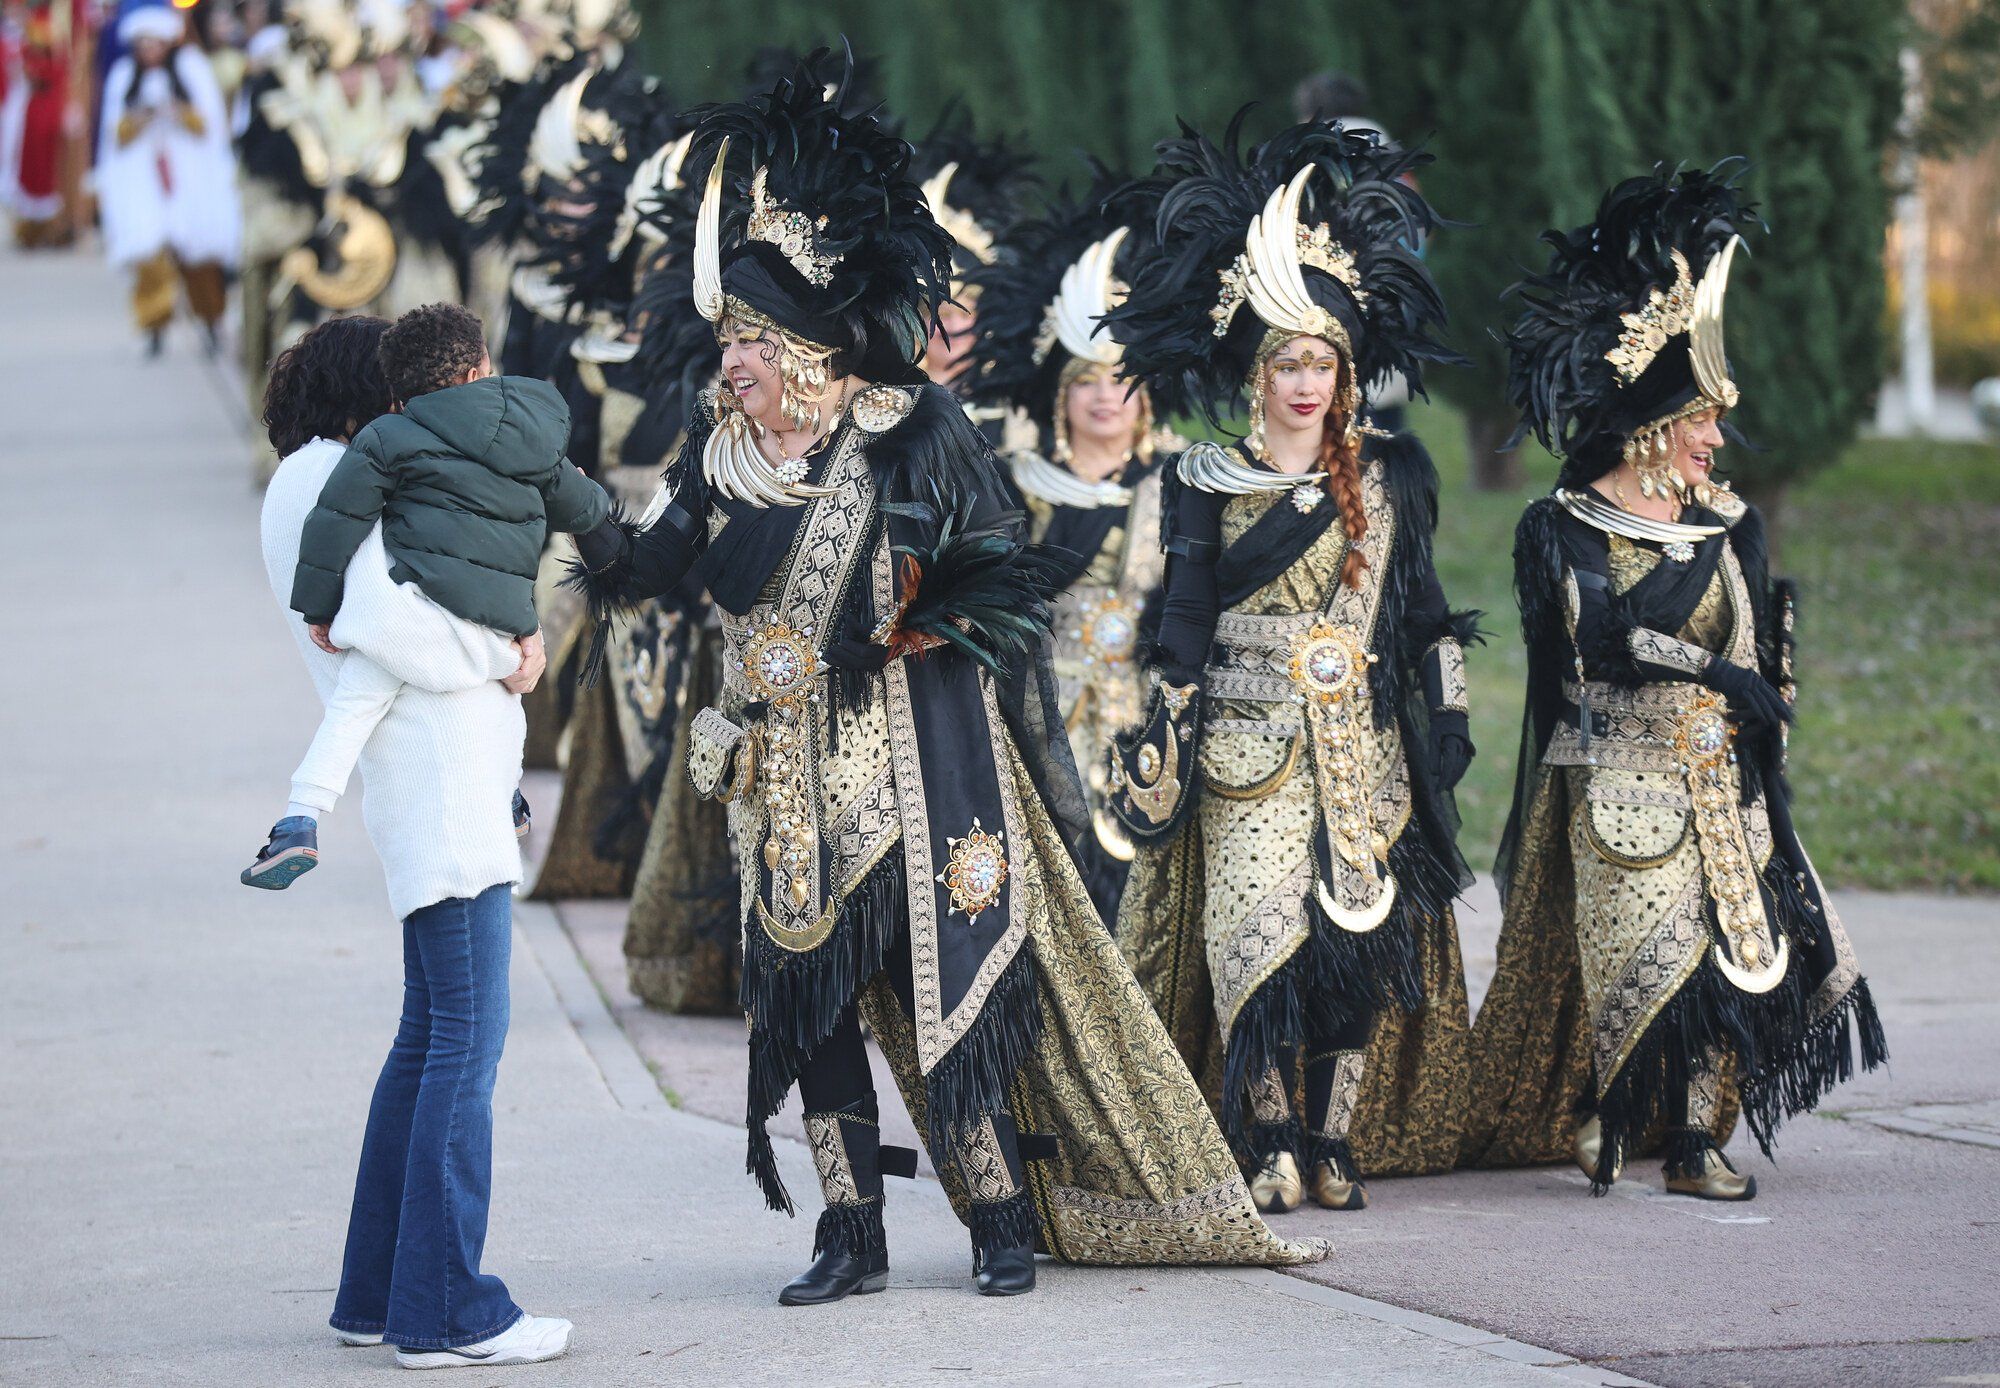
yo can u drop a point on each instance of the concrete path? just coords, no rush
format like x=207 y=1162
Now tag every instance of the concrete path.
x=1871 y=1255
x=185 y=1064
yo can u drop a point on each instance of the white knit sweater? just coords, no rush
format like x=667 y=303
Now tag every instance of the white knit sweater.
x=439 y=774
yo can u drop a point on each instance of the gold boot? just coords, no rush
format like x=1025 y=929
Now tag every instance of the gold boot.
x=1718 y=1180
x=1277 y=1189
x=1332 y=1191
x=1590 y=1145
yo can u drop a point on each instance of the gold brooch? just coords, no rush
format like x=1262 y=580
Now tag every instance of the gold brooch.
x=976 y=872
x=1327 y=662
x=780 y=663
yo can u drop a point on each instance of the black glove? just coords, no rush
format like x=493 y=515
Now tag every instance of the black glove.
x=852 y=649
x=1752 y=702
x=601 y=547
x=1451 y=749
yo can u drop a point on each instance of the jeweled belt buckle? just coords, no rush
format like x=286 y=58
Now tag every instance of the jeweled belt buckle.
x=781 y=663
x=1704 y=736
x=1328 y=663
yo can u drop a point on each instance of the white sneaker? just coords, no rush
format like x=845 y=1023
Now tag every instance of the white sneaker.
x=359 y=1339
x=529 y=1340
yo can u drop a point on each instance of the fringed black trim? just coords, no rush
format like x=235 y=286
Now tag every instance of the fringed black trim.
x=1335 y=977
x=794 y=1000
x=1784 y=1064
x=1684 y=1150
x=1824 y=1055
x=1000 y=1225
x=607 y=589
x=975 y=1075
x=1263 y=1141
x=855 y=1230
x=1331 y=1149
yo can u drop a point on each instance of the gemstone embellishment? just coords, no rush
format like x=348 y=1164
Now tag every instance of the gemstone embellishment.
x=976 y=871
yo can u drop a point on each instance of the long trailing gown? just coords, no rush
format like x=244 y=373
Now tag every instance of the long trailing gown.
x=901 y=819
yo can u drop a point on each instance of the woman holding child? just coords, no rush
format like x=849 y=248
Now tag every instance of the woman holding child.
x=422 y=707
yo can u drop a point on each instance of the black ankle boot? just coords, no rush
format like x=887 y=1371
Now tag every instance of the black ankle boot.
x=1005 y=1271
x=837 y=1273
x=850 y=1248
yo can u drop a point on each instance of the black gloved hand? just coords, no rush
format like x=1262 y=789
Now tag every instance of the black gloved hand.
x=1752 y=701
x=1451 y=748
x=852 y=650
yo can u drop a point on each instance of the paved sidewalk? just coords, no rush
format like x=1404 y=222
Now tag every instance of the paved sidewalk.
x=1872 y=1253
x=185 y=1064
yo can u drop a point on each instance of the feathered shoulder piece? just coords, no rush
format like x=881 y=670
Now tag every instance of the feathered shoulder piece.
x=1041 y=300
x=1313 y=232
x=975 y=187
x=1623 y=331
x=827 y=234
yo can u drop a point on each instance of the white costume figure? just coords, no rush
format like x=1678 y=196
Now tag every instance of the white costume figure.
x=166 y=178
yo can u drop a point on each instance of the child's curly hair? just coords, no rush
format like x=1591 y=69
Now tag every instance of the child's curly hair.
x=431 y=347
x=327 y=384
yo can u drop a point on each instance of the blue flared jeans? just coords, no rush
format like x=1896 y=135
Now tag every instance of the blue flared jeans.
x=418 y=1224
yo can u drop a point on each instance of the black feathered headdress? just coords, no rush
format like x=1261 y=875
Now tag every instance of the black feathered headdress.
x=1312 y=233
x=1040 y=301
x=828 y=238
x=975 y=189
x=1622 y=335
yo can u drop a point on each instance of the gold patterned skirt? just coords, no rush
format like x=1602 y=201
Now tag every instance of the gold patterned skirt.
x=1141 y=1174
x=1599 y=934
x=1213 y=913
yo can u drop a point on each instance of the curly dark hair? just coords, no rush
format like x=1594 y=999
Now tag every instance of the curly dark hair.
x=327 y=384
x=431 y=347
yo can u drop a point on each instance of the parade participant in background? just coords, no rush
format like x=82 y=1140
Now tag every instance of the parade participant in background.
x=977 y=190
x=166 y=178
x=436 y=776
x=1665 y=937
x=893 y=815
x=1088 y=472
x=603 y=242
x=1292 y=789
x=39 y=85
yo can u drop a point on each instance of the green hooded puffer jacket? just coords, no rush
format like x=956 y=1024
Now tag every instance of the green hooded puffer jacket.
x=467 y=482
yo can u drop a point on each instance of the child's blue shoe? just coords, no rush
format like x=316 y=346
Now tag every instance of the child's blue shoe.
x=523 y=821
x=292 y=852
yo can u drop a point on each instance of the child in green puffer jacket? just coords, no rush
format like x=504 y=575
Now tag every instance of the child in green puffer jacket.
x=454 y=494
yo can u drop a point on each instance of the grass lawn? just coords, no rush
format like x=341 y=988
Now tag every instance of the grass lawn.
x=1896 y=758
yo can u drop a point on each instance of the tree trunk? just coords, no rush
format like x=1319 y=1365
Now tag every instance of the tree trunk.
x=1492 y=469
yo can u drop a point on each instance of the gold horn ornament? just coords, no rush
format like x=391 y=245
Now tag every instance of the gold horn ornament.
x=1705 y=347
x=365 y=257
x=708 y=242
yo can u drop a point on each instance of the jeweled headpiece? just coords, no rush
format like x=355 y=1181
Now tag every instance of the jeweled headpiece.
x=1314 y=231
x=826 y=236
x=1622 y=335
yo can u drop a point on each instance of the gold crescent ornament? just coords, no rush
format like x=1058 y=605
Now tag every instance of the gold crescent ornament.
x=365 y=257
